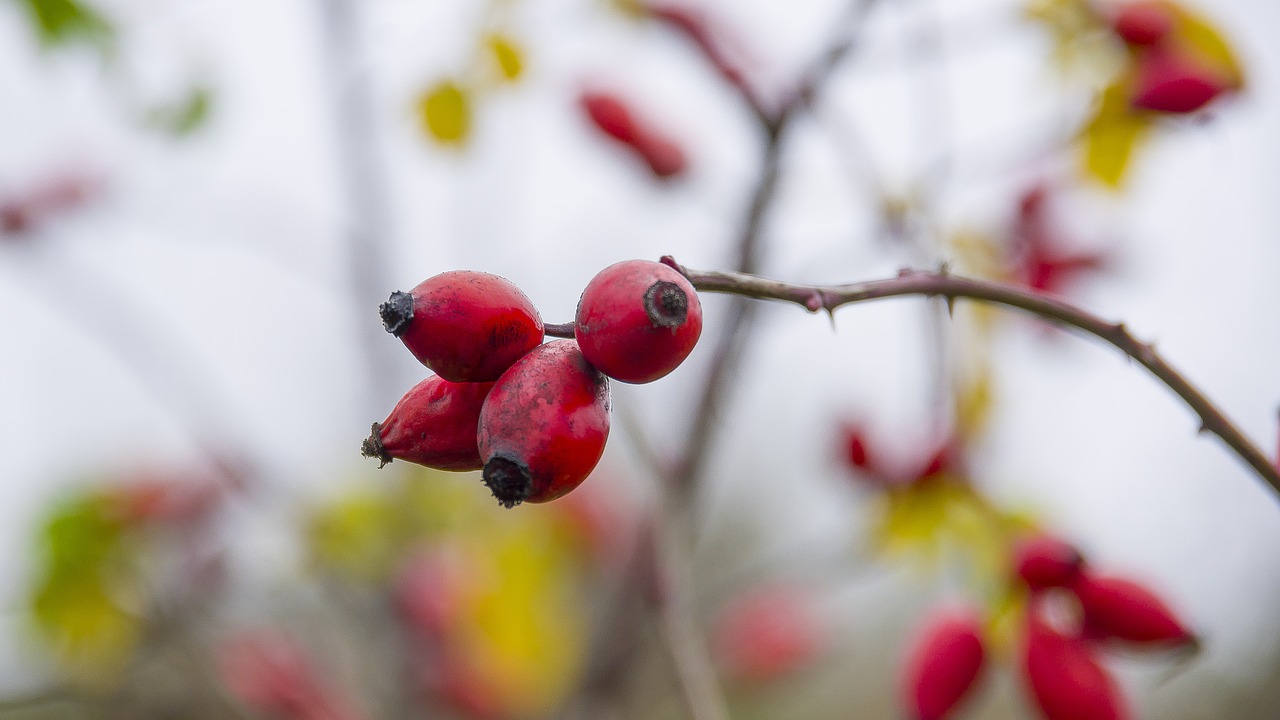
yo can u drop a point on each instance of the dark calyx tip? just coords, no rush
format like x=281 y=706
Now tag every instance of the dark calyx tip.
x=372 y=446
x=397 y=312
x=508 y=480
x=666 y=304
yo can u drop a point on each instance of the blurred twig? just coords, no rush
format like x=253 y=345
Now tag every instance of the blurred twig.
x=364 y=182
x=728 y=351
x=951 y=287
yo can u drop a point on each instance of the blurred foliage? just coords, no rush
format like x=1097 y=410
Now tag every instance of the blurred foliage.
x=511 y=608
x=506 y=55
x=1113 y=135
x=185 y=116
x=1207 y=43
x=445 y=109
x=83 y=597
x=61 y=22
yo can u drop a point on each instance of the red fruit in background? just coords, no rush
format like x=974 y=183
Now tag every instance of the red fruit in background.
x=1122 y=609
x=1041 y=262
x=270 y=674
x=427 y=592
x=1169 y=82
x=855 y=447
x=943 y=665
x=15 y=218
x=664 y=157
x=1065 y=680
x=1142 y=23
x=466 y=326
x=765 y=633
x=1043 y=562
x=638 y=320
x=614 y=118
x=544 y=425
x=434 y=424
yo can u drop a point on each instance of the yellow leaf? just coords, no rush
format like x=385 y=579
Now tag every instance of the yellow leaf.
x=507 y=55
x=1207 y=44
x=1112 y=136
x=359 y=535
x=525 y=616
x=973 y=405
x=446 y=113
x=916 y=518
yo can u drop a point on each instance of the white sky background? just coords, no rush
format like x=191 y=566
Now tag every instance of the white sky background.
x=228 y=246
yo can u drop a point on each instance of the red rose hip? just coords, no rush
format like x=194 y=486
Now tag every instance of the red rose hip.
x=466 y=326
x=434 y=424
x=944 y=665
x=1143 y=23
x=1124 y=610
x=1044 y=561
x=638 y=320
x=614 y=118
x=544 y=425
x=1065 y=679
x=1169 y=82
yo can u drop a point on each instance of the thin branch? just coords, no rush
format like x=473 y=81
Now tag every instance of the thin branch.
x=951 y=287
x=558 y=330
x=668 y=593
x=728 y=352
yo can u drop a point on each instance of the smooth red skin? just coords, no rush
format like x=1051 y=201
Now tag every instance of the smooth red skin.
x=765 y=634
x=434 y=425
x=1143 y=23
x=1065 y=680
x=550 y=413
x=943 y=666
x=1044 y=562
x=664 y=157
x=1124 y=610
x=855 y=447
x=471 y=326
x=616 y=334
x=611 y=115
x=1172 y=84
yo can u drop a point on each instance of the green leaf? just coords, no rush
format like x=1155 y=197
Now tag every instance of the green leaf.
x=60 y=22
x=186 y=116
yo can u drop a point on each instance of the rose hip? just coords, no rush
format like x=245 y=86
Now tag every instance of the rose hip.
x=638 y=320
x=544 y=425
x=1170 y=83
x=1124 y=610
x=1143 y=23
x=1044 y=561
x=944 y=665
x=614 y=118
x=1065 y=679
x=466 y=326
x=434 y=424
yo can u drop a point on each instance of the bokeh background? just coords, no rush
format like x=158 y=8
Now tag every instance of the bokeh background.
x=252 y=178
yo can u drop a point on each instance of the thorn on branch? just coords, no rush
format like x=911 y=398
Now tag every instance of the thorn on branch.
x=814 y=302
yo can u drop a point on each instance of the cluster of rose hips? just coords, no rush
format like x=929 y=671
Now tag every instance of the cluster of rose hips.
x=1070 y=613
x=533 y=416
x=1168 y=76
